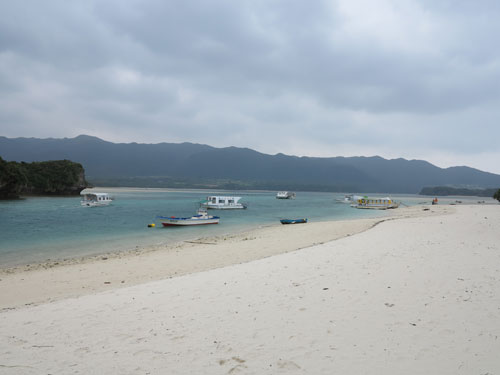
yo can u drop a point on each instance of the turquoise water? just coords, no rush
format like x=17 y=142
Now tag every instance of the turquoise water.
x=41 y=228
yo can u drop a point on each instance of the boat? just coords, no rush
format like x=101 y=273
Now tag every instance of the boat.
x=223 y=203
x=374 y=203
x=201 y=218
x=285 y=195
x=348 y=198
x=293 y=221
x=95 y=199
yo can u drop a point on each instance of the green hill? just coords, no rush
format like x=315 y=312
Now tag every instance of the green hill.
x=59 y=177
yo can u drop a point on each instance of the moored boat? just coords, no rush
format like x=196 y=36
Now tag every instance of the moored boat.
x=201 y=218
x=285 y=195
x=348 y=198
x=95 y=199
x=293 y=221
x=223 y=203
x=374 y=203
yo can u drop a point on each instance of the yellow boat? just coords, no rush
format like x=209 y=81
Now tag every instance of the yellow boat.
x=374 y=203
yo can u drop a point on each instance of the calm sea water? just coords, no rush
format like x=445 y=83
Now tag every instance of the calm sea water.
x=40 y=228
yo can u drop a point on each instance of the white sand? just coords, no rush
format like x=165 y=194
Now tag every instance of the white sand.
x=416 y=295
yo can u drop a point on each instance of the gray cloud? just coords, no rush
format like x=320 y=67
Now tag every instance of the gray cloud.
x=418 y=79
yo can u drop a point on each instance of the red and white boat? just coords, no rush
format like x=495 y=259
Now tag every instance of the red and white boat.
x=201 y=218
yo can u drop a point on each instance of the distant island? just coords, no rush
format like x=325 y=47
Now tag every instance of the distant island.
x=447 y=190
x=58 y=177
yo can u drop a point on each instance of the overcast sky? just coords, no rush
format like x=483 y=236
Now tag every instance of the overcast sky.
x=395 y=78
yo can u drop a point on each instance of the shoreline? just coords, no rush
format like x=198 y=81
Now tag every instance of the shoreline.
x=54 y=280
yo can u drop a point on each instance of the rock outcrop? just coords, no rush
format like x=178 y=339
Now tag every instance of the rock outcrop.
x=58 y=177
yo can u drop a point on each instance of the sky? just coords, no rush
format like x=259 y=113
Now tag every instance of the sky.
x=394 y=78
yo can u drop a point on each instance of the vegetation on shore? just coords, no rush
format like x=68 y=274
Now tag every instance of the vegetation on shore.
x=447 y=190
x=57 y=177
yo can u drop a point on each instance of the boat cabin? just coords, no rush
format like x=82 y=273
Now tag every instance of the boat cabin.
x=223 y=202
x=376 y=203
x=96 y=199
x=285 y=195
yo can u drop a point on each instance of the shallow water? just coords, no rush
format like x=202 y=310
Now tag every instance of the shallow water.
x=36 y=229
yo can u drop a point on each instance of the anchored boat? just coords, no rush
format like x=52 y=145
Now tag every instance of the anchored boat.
x=293 y=221
x=348 y=198
x=285 y=195
x=223 y=203
x=95 y=199
x=201 y=218
x=374 y=203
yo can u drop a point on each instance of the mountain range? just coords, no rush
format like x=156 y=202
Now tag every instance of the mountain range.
x=197 y=165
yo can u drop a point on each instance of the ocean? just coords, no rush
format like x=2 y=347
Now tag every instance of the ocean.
x=38 y=229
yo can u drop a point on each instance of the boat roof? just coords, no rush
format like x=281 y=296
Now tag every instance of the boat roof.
x=96 y=194
x=374 y=198
x=222 y=197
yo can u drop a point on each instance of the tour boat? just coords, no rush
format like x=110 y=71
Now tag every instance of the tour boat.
x=95 y=199
x=374 y=203
x=223 y=203
x=201 y=218
x=293 y=221
x=285 y=195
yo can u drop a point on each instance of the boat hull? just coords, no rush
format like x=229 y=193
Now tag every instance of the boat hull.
x=95 y=204
x=185 y=221
x=293 y=221
x=372 y=207
x=214 y=207
x=185 y=224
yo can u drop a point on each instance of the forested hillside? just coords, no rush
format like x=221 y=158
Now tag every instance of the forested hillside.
x=59 y=177
x=186 y=165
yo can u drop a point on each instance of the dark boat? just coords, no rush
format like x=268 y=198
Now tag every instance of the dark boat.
x=293 y=221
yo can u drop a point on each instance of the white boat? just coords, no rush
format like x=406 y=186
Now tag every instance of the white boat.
x=348 y=198
x=223 y=203
x=285 y=195
x=201 y=218
x=374 y=203
x=95 y=199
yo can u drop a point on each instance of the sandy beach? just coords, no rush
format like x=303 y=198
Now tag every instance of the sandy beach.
x=49 y=281
x=416 y=292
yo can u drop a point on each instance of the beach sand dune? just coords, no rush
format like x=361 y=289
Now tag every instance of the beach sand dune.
x=417 y=295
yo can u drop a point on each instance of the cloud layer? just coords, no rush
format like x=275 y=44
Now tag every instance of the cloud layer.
x=417 y=79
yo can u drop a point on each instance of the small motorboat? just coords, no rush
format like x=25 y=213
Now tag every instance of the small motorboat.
x=201 y=218
x=348 y=198
x=293 y=221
